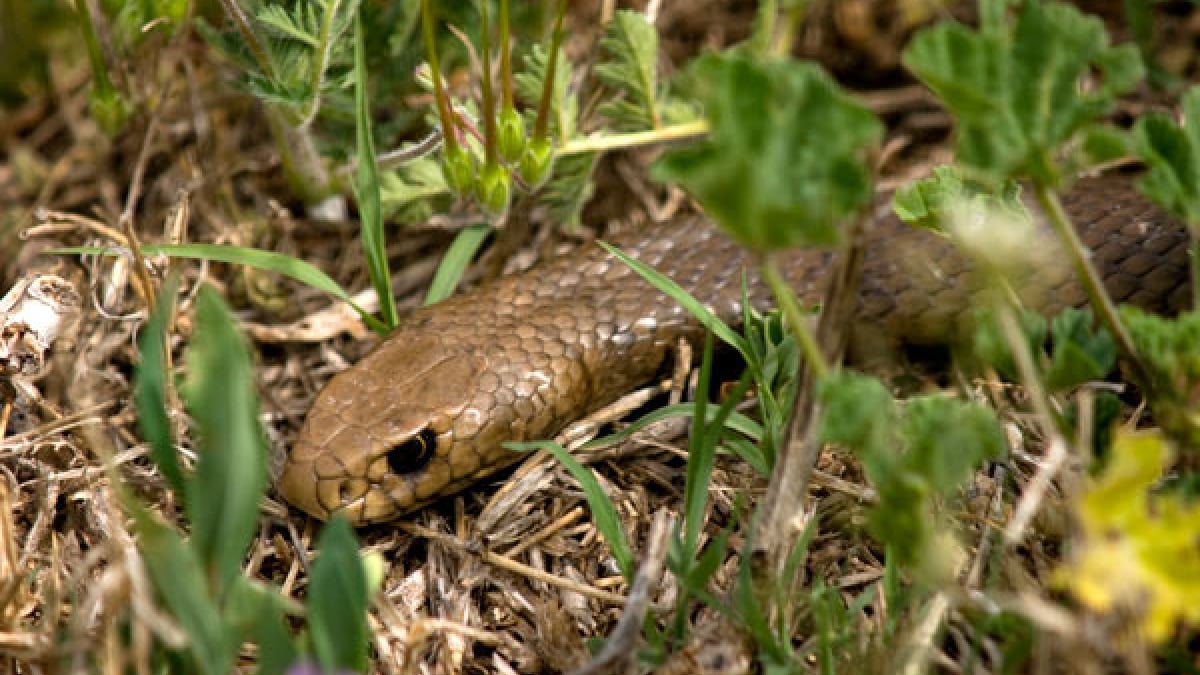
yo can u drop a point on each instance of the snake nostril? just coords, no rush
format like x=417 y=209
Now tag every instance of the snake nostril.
x=413 y=454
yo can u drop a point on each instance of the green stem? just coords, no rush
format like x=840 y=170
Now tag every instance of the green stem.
x=633 y=139
x=489 y=102
x=435 y=73
x=323 y=50
x=100 y=80
x=242 y=22
x=506 y=86
x=1194 y=254
x=1090 y=278
x=542 y=124
x=795 y=318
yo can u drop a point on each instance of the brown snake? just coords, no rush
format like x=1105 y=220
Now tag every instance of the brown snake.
x=426 y=413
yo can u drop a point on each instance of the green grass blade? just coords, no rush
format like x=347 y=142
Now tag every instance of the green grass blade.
x=367 y=187
x=455 y=262
x=736 y=422
x=290 y=267
x=604 y=512
x=692 y=305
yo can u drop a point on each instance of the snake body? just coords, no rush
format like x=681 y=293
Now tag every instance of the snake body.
x=427 y=412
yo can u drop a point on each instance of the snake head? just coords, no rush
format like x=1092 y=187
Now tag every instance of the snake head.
x=375 y=446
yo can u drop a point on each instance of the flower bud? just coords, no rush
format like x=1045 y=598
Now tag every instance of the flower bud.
x=537 y=162
x=494 y=189
x=510 y=134
x=458 y=169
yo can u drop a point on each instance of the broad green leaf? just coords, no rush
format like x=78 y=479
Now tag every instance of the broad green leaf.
x=410 y=193
x=462 y=250
x=604 y=512
x=231 y=471
x=1016 y=94
x=783 y=163
x=1172 y=153
x=631 y=44
x=857 y=412
x=338 y=597
x=258 y=611
x=150 y=390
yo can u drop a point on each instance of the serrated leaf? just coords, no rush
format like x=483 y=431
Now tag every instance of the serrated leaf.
x=569 y=188
x=1172 y=153
x=948 y=440
x=1081 y=352
x=631 y=44
x=564 y=105
x=1015 y=93
x=783 y=163
x=231 y=472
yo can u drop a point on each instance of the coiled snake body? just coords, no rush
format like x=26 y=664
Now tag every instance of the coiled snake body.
x=426 y=413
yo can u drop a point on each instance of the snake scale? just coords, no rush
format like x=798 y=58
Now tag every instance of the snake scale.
x=426 y=413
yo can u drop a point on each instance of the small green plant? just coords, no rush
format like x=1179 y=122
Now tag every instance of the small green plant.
x=198 y=577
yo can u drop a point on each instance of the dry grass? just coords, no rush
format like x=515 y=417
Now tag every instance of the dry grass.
x=510 y=576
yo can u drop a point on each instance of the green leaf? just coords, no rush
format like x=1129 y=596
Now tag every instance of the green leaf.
x=366 y=187
x=258 y=611
x=1082 y=352
x=338 y=596
x=858 y=412
x=570 y=187
x=991 y=347
x=411 y=193
x=604 y=512
x=783 y=163
x=178 y=575
x=462 y=250
x=564 y=105
x=231 y=471
x=290 y=267
x=631 y=43
x=948 y=440
x=1172 y=153
x=150 y=390
x=1016 y=94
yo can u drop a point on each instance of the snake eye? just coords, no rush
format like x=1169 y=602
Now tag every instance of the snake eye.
x=413 y=454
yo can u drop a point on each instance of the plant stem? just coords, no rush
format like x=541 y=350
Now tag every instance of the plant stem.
x=489 y=103
x=542 y=124
x=323 y=50
x=1101 y=302
x=242 y=22
x=795 y=318
x=506 y=86
x=1194 y=254
x=606 y=142
x=435 y=73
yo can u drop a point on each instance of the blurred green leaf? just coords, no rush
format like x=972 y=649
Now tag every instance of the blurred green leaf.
x=948 y=440
x=564 y=104
x=150 y=390
x=258 y=611
x=991 y=347
x=1082 y=350
x=604 y=512
x=178 y=575
x=1016 y=94
x=784 y=161
x=231 y=471
x=338 y=597
x=413 y=192
x=1172 y=153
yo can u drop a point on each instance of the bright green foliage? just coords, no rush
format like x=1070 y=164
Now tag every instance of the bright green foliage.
x=537 y=162
x=413 y=192
x=1139 y=552
x=931 y=202
x=1172 y=153
x=1170 y=348
x=631 y=44
x=458 y=170
x=1082 y=351
x=510 y=136
x=462 y=250
x=493 y=189
x=1015 y=90
x=564 y=104
x=200 y=580
x=784 y=161
x=913 y=455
